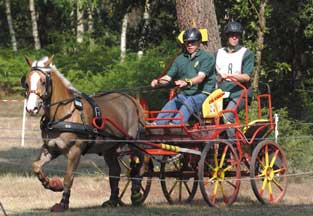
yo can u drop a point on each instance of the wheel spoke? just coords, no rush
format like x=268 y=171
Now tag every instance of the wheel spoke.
x=231 y=184
x=125 y=164
x=223 y=193
x=125 y=188
x=187 y=187
x=223 y=156
x=270 y=191
x=274 y=158
x=266 y=155
x=214 y=192
x=176 y=165
x=180 y=191
x=142 y=188
x=209 y=166
x=215 y=157
x=264 y=184
x=261 y=163
x=172 y=189
x=228 y=167
x=278 y=185
x=279 y=170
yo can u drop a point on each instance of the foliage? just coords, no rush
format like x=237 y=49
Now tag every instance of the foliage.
x=294 y=139
x=95 y=66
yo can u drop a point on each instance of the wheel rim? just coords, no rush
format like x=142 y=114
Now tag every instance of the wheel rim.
x=179 y=185
x=269 y=172
x=219 y=174
x=126 y=184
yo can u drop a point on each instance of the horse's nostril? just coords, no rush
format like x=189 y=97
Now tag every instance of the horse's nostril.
x=35 y=110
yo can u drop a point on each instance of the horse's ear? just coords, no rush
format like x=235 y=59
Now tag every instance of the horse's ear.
x=47 y=63
x=29 y=61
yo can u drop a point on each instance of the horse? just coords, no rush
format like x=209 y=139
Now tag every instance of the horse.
x=70 y=126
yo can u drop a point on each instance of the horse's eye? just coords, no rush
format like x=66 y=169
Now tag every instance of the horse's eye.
x=43 y=83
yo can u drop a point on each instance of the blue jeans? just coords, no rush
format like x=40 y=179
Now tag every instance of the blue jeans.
x=230 y=117
x=185 y=104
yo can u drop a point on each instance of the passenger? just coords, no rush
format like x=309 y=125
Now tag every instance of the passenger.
x=193 y=72
x=237 y=62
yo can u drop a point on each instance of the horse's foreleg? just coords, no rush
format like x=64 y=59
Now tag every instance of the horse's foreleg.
x=114 y=174
x=45 y=157
x=73 y=158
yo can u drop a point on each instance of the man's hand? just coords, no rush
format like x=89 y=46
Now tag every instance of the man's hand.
x=221 y=77
x=181 y=83
x=154 y=83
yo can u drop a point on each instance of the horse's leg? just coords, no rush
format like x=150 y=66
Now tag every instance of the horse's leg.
x=137 y=161
x=114 y=174
x=73 y=158
x=45 y=157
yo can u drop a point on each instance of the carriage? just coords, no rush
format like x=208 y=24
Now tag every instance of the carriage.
x=200 y=154
x=197 y=154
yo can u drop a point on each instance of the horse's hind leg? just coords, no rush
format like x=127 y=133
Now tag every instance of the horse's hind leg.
x=137 y=161
x=114 y=177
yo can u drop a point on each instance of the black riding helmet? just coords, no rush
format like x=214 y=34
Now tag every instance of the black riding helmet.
x=192 y=34
x=233 y=27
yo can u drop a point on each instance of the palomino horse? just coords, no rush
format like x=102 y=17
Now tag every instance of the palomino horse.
x=67 y=127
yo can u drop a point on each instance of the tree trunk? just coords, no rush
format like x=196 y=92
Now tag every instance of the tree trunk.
x=10 y=24
x=80 y=22
x=123 y=36
x=90 y=28
x=199 y=14
x=34 y=24
x=260 y=44
x=145 y=29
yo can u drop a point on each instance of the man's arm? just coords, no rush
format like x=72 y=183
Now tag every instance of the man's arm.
x=164 y=80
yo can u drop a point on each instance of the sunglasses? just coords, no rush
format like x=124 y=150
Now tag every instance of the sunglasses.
x=192 y=42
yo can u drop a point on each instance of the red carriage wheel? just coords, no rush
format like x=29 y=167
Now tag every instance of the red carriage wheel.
x=219 y=174
x=268 y=172
x=179 y=180
x=126 y=184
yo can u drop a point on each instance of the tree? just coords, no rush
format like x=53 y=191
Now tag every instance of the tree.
x=259 y=42
x=145 y=28
x=34 y=24
x=80 y=22
x=10 y=24
x=199 y=14
x=123 y=36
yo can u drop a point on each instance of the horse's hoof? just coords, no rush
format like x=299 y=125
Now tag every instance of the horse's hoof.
x=59 y=207
x=109 y=204
x=136 y=199
x=56 y=184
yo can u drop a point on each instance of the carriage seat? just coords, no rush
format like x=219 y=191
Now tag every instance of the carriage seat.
x=213 y=104
x=257 y=129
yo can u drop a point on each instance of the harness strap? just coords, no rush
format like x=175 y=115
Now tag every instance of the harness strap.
x=94 y=105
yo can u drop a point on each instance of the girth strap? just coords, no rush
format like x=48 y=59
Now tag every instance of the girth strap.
x=96 y=109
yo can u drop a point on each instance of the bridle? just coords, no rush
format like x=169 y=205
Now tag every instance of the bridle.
x=47 y=93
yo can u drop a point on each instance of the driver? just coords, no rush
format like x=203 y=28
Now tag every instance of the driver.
x=193 y=73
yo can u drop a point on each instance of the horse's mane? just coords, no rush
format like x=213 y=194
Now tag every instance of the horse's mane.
x=52 y=68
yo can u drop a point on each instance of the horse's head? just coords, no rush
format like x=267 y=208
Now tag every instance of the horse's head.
x=37 y=84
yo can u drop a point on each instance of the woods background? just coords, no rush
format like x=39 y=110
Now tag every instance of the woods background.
x=103 y=45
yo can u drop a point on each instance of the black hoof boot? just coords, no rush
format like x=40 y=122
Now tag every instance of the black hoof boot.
x=112 y=202
x=136 y=199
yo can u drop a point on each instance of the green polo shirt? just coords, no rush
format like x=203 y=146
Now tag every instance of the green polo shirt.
x=247 y=68
x=187 y=67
